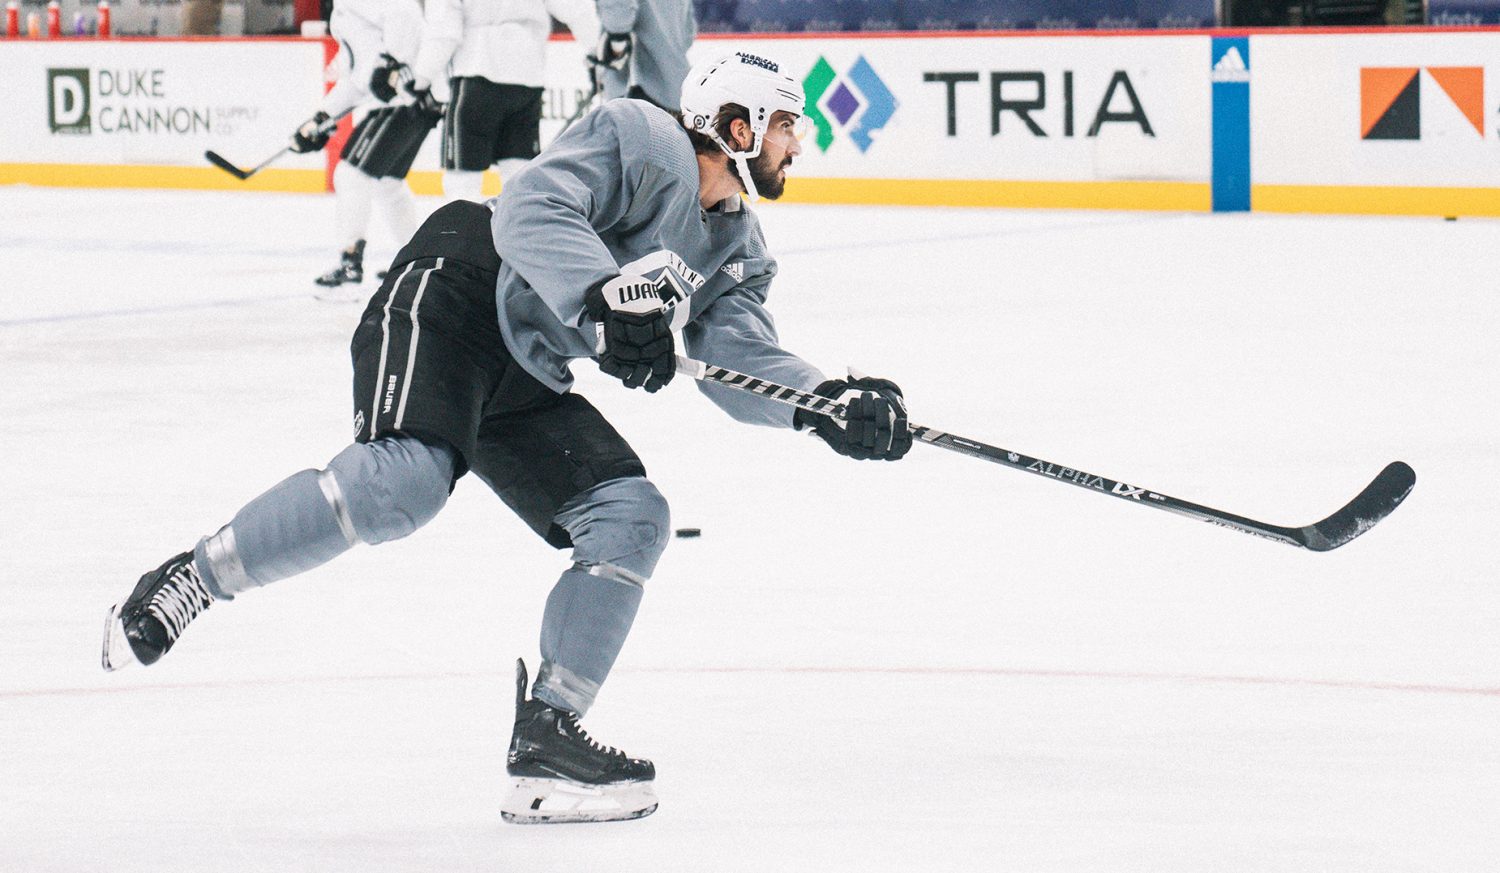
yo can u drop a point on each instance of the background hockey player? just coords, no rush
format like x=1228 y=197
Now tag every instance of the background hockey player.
x=642 y=50
x=493 y=57
x=476 y=378
x=376 y=38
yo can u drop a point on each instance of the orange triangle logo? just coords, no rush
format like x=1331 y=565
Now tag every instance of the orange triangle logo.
x=1465 y=87
x=1378 y=89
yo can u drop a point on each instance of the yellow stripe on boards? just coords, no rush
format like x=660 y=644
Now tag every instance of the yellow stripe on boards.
x=1375 y=200
x=1169 y=196
x=153 y=176
x=430 y=182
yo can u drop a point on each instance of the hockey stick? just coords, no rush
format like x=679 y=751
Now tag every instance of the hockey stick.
x=218 y=161
x=1374 y=503
x=586 y=102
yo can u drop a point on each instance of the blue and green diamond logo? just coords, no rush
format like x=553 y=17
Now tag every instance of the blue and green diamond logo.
x=857 y=103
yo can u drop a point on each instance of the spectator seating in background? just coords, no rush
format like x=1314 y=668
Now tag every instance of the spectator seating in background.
x=775 y=16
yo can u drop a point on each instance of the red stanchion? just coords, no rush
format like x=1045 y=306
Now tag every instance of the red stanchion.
x=104 y=19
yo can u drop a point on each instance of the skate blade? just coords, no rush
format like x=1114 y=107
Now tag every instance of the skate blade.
x=558 y=801
x=116 y=651
x=334 y=294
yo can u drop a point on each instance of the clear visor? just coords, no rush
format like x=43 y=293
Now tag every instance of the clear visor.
x=788 y=126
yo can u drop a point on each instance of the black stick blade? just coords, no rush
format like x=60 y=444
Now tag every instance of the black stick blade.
x=1379 y=499
x=231 y=169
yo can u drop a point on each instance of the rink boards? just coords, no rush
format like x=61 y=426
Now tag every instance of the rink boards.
x=1400 y=121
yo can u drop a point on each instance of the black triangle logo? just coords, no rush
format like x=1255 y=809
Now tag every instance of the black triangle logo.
x=1403 y=119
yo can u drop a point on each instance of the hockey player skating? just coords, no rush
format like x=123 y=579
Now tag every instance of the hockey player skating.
x=642 y=50
x=376 y=38
x=629 y=227
x=493 y=58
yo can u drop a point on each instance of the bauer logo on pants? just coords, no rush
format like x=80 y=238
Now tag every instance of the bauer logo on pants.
x=68 y=101
x=390 y=393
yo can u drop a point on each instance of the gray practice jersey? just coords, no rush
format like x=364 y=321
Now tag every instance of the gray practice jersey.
x=663 y=31
x=618 y=193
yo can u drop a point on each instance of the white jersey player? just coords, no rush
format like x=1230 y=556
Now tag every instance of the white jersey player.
x=492 y=55
x=375 y=38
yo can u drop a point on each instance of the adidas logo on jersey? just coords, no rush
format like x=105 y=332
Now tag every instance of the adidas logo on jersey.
x=735 y=271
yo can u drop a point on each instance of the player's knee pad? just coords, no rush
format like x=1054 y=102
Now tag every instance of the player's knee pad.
x=623 y=524
x=385 y=489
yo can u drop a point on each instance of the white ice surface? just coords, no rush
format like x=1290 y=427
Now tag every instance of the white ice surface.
x=933 y=665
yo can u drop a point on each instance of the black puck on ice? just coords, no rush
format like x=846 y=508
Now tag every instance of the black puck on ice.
x=686 y=532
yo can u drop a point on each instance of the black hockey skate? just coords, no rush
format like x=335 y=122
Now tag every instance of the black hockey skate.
x=145 y=626
x=560 y=774
x=350 y=271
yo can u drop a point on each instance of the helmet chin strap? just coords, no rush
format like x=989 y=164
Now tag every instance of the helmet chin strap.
x=745 y=179
x=741 y=165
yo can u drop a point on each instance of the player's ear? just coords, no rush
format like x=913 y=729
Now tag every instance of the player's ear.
x=739 y=128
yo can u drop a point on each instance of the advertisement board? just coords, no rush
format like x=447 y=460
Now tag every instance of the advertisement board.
x=1101 y=122
x=122 y=111
x=1040 y=108
x=1388 y=121
x=1372 y=122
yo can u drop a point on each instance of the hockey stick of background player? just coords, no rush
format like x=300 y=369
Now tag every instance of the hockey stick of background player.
x=218 y=161
x=1374 y=503
x=586 y=102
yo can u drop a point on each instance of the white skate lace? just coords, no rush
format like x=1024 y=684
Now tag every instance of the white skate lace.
x=180 y=600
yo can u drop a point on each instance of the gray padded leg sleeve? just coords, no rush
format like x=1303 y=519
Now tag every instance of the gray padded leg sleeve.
x=619 y=530
x=371 y=492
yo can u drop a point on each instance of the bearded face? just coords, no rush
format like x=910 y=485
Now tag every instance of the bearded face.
x=779 y=145
x=766 y=171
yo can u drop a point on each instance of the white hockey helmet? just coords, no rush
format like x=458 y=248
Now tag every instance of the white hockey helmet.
x=754 y=82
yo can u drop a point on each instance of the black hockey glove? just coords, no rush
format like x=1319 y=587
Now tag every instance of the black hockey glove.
x=875 y=427
x=388 y=77
x=635 y=332
x=421 y=90
x=312 y=136
x=613 y=50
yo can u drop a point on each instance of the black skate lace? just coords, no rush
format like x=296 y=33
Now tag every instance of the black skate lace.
x=593 y=743
x=180 y=599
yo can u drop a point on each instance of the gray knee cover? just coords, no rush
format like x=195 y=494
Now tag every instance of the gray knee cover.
x=622 y=523
x=385 y=489
x=619 y=529
x=370 y=493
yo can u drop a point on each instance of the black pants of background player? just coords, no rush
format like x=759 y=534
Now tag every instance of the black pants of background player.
x=488 y=124
x=371 y=177
x=430 y=364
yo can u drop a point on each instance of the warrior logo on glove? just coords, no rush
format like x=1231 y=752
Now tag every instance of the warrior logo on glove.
x=634 y=326
x=635 y=315
x=672 y=278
